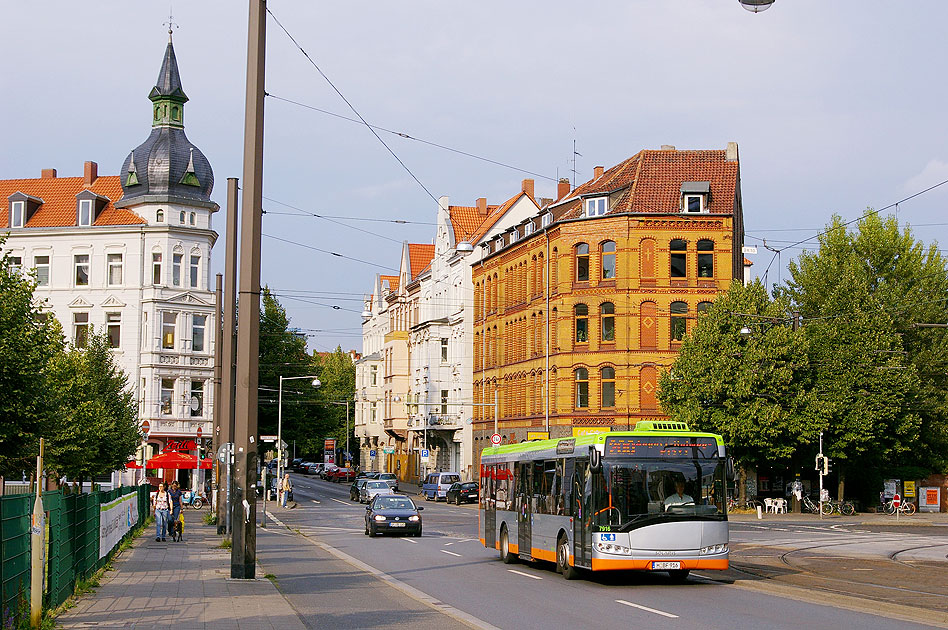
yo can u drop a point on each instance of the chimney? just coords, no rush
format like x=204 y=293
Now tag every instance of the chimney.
x=90 y=173
x=668 y=147
x=527 y=187
x=598 y=171
x=482 y=206
x=48 y=173
x=730 y=154
x=562 y=188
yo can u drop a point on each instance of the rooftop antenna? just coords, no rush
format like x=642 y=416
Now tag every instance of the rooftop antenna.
x=575 y=153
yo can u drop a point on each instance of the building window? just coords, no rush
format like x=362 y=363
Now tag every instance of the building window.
x=679 y=320
x=82 y=269
x=193 y=218
x=582 y=388
x=582 y=262
x=607 y=316
x=168 y=321
x=596 y=207
x=703 y=307
x=608 y=256
x=156 y=268
x=679 y=267
x=444 y=402
x=85 y=212
x=181 y=217
x=374 y=412
x=195 y=268
x=694 y=203
x=167 y=395
x=115 y=269
x=547 y=219
x=176 y=260
x=113 y=329
x=41 y=264
x=198 y=325
x=197 y=399
x=607 y=376
x=514 y=235
x=160 y=216
x=80 y=329
x=15 y=264
x=444 y=350
x=582 y=323
x=373 y=375
x=17 y=214
x=528 y=229
x=705 y=259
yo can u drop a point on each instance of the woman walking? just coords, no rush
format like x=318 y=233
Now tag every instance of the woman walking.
x=162 y=504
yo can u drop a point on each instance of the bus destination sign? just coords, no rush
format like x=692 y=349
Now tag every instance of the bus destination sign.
x=654 y=447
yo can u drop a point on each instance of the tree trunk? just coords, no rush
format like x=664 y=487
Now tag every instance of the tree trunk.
x=841 y=487
x=741 y=485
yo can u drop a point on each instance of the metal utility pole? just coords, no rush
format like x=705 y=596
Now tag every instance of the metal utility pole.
x=228 y=339
x=243 y=557
x=218 y=368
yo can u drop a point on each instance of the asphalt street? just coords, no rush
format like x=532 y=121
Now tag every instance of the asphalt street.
x=784 y=575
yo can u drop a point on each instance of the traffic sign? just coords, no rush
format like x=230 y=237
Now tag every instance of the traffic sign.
x=200 y=432
x=146 y=427
x=495 y=439
x=268 y=438
x=424 y=455
x=372 y=452
x=388 y=451
x=896 y=501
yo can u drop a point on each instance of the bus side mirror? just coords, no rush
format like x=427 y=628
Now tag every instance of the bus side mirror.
x=729 y=469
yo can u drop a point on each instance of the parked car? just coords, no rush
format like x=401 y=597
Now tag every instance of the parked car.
x=367 y=474
x=392 y=513
x=436 y=485
x=315 y=469
x=343 y=474
x=327 y=471
x=304 y=466
x=296 y=464
x=465 y=491
x=389 y=478
x=355 y=490
x=373 y=487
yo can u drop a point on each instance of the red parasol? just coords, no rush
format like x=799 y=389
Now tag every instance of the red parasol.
x=172 y=460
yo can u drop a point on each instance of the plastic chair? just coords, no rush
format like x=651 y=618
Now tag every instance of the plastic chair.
x=769 y=505
x=780 y=505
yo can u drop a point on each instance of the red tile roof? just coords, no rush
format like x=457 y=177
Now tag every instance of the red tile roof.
x=392 y=282
x=469 y=225
x=650 y=182
x=59 y=201
x=419 y=257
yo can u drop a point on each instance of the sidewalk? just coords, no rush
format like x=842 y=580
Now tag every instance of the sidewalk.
x=919 y=519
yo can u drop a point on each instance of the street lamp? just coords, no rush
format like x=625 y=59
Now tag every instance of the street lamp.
x=316 y=384
x=756 y=6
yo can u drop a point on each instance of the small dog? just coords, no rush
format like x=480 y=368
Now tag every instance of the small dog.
x=177 y=530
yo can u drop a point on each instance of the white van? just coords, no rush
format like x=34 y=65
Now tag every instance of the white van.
x=437 y=483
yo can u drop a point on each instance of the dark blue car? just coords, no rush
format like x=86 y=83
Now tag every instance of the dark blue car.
x=392 y=514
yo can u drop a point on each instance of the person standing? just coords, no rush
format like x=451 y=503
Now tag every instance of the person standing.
x=176 y=504
x=285 y=486
x=162 y=505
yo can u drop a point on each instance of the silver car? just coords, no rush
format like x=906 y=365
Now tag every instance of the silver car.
x=389 y=478
x=373 y=487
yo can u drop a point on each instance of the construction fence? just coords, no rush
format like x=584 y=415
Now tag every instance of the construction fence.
x=82 y=533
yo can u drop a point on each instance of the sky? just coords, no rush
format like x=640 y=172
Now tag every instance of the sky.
x=836 y=107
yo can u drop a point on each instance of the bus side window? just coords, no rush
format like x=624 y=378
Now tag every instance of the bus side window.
x=569 y=465
x=558 y=492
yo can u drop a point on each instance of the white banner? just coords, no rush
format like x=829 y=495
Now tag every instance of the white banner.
x=116 y=518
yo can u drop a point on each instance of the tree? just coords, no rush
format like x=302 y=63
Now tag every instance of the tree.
x=337 y=373
x=97 y=430
x=28 y=342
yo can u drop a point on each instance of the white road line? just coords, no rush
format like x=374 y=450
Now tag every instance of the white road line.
x=532 y=577
x=315 y=501
x=450 y=553
x=448 y=544
x=414 y=542
x=647 y=609
x=338 y=501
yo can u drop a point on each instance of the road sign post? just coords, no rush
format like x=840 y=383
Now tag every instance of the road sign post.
x=495 y=439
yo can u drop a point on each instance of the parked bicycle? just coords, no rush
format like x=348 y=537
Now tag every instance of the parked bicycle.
x=750 y=504
x=841 y=507
x=809 y=505
x=905 y=507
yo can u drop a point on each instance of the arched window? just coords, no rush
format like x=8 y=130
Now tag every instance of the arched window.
x=160 y=216
x=679 y=267
x=582 y=262
x=607 y=379
x=703 y=307
x=705 y=259
x=181 y=217
x=581 y=376
x=679 y=320
x=554 y=271
x=607 y=321
x=582 y=323
x=192 y=218
x=554 y=337
x=607 y=252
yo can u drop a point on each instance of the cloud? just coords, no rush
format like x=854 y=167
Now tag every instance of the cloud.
x=935 y=171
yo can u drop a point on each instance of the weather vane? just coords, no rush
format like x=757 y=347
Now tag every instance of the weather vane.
x=171 y=24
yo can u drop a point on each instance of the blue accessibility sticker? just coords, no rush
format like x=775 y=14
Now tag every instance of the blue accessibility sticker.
x=610 y=537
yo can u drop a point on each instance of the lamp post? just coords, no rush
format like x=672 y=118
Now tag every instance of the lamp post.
x=316 y=384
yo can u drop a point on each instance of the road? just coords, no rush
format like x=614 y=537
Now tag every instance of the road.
x=449 y=570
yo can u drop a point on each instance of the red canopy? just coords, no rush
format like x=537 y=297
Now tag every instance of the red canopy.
x=172 y=459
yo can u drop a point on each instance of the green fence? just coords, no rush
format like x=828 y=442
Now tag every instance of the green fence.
x=72 y=544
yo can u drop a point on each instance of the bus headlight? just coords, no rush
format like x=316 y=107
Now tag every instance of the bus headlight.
x=613 y=548
x=713 y=549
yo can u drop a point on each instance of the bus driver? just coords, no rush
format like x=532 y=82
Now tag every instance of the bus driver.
x=679 y=498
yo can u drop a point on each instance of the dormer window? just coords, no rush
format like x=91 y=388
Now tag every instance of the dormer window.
x=547 y=219
x=695 y=196
x=528 y=229
x=514 y=235
x=17 y=214
x=596 y=206
x=85 y=212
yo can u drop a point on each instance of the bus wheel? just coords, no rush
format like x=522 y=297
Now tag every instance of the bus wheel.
x=679 y=575
x=505 y=554
x=562 y=560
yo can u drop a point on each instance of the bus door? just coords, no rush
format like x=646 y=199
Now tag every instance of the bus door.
x=582 y=514
x=489 y=500
x=524 y=510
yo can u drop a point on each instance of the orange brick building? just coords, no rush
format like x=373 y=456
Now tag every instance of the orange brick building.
x=579 y=309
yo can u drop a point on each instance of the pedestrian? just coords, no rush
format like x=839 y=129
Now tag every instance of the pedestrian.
x=162 y=506
x=176 y=503
x=286 y=487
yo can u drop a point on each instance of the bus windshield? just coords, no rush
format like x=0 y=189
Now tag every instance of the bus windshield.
x=638 y=492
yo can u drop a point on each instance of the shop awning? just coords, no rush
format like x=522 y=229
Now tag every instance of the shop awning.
x=176 y=460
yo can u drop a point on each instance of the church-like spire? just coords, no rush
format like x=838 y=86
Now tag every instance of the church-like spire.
x=168 y=96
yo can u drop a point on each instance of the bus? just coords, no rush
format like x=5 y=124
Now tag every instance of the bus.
x=651 y=499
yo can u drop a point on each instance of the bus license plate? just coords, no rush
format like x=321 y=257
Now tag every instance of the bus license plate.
x=396 y=524
x=665 y=566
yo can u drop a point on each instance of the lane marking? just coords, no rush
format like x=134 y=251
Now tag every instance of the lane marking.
x=448 y=544
x=414 y=542
x=315 y=501
x=532 y=577
x=450 y=553
x=339 y=501
x=647 y=609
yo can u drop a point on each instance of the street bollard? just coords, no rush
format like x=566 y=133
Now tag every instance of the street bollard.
x=760 y=514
